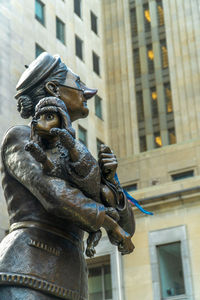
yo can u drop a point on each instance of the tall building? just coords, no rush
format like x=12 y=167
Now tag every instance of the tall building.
x=144 y=58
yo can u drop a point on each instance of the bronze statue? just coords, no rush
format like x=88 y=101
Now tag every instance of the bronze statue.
x=49 y=209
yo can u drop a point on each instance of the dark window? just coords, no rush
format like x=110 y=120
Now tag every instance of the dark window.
x=99 y=279
x=60 y=30
x=154 y=102
x=98 y=106
x=143 y=143
x=172 y=136
x=134 y=22
x=137 y=69
x=94 y=22
x=39 y=11
x=77 y=7
x=160 y=13
x=38 y=50
x=168 y=98
x=95 y=59
x=164 y=54
x=131 y=188
x=183 y=175
x=150 y=56
x=157 y=140
x=147 y=18
x=99 y=143
x=82 y=135
x=140 y=106
x=79 y=47
x=171 y=270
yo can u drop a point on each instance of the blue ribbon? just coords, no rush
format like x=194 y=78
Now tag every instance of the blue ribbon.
x=133 y=200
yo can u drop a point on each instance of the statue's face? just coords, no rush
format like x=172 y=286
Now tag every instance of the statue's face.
x=45 y=122
x=75 y=95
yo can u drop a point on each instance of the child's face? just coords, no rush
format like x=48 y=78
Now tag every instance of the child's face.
x=45 y=122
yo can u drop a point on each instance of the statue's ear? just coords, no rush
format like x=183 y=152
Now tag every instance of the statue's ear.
x=52 y=89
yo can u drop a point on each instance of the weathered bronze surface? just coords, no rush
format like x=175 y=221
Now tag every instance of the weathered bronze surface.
x=55 y=190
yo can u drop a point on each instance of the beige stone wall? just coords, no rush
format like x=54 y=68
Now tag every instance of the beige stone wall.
x=137 y=268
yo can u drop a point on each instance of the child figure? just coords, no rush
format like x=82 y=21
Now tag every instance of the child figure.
x=54 y=145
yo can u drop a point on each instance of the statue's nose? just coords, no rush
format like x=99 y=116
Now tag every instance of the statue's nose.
x=89 y=93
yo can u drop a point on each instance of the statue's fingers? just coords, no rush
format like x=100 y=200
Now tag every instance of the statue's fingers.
x=104 y=149
x=56 y=131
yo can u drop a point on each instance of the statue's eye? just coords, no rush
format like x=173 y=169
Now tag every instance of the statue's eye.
x=49 y=117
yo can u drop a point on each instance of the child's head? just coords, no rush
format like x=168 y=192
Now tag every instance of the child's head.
x=50 y=112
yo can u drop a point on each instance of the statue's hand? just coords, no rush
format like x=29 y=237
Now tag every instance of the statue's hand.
x=40 y=156
x=66 y=138
x=118 y=236
x=107 y=162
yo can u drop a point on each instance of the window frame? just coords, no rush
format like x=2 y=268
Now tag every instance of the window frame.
x=37 y=46
x=85 y=131
x=106 y=248
x=94 y=17
x=168 y=236
x=43 y=11
x=61 y=22
x=76 y=12
x=94 y=56
x=78 y=39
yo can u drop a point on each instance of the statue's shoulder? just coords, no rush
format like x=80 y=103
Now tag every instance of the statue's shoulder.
x=16 y=135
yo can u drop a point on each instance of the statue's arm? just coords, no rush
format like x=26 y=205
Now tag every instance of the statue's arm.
x=55 y=194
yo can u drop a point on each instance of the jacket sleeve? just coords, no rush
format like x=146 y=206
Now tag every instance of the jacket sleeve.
x=56 y=195
x=127 y=221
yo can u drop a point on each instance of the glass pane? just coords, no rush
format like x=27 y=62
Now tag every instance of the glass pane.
x=140 y=106
x=60 y=30
x=164 y=54
x=171 y=270
x=95 y=284
x=79 y=47
x=77 y=7
x=96 y=64
x=160 y=13
x=154 y=102
x=147 y=17
x=94 y=22
x=168 y=98
x=136 y=56
x=82 y=135
x=38 y=50
x=107 y=282
x=157 y=140
x=150 y=56
x=143 y=144
x=39 y=11
x=98 y=107
x=133 y=22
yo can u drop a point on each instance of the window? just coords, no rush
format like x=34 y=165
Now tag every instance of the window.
x=160 y=13
x=172 y=135
x=137 y=69
x=140 y=106
x=171 y=270
x=183 y=175
x=98 y=106
x=164 y=54
x=134 y=28
x=157 y=140
x=143 y=143
x=99 y=143
x=96 y=67
x=39 y=11
x=99 y=279
x=94 y=22
x=38 y=50
x=82 y=135
x=77 y=7
x=79 y=47
x=147 y=18
x=168 y=98
x=60 y=30
x=154 y=102
x=170 y=263
x=130 y=188
x=150 y=56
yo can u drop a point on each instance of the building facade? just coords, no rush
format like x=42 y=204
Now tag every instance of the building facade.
x=144 y=58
